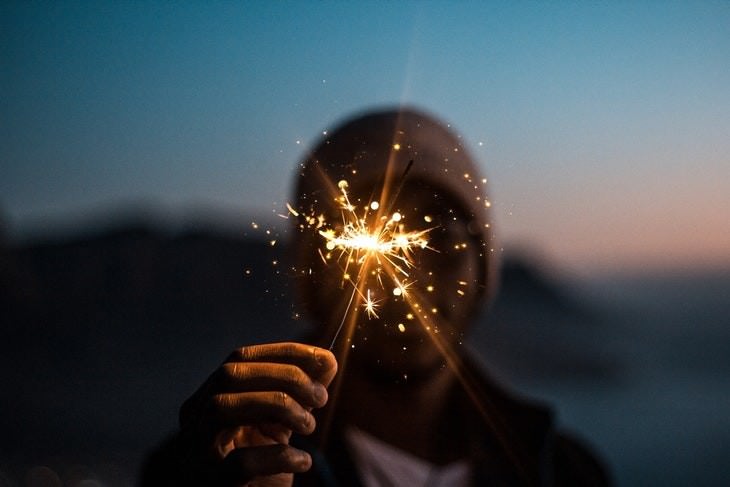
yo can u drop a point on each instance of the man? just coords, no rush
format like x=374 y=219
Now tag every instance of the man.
x=394 y=257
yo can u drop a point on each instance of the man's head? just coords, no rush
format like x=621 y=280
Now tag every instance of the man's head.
x=398 y=173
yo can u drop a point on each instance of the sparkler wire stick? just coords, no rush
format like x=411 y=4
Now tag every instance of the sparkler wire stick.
x=342 y=322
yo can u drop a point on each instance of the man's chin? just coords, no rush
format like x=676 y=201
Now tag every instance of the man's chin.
x=408 y=363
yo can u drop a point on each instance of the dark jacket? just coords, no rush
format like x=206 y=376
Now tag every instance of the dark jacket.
x=512 y=441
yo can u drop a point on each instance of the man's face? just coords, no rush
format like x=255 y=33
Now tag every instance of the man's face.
x=414 y=306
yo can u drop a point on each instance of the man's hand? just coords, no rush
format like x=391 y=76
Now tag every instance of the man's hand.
x=239 y=422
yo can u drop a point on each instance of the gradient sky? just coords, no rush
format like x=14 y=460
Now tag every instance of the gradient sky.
x=604 y=128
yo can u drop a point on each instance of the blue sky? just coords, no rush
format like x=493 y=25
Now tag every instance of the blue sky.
x=604 y=126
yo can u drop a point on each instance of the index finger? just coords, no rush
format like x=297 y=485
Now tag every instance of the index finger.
x=320 y=364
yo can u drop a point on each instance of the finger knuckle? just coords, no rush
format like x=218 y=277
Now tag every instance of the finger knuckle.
x=283 y=400
x=232 y=372
x=289 y=349
x=220 y=403
x=309 y=422
x=237 y=354
x=287 y=456
x=295 y=376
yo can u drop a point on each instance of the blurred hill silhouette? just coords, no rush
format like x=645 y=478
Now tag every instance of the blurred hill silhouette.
x=105 y=334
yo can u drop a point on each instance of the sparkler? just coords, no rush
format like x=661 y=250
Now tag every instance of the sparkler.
x=372 y=247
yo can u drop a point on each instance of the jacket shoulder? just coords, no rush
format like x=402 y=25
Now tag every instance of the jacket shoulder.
x=574 y=464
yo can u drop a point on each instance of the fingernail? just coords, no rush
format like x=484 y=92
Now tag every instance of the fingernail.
x=303 y=460
x=320 y=393
x=319 y=357
x=322 y=357
x=308 y=423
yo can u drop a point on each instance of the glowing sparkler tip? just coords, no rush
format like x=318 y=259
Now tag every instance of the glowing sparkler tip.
x=376 y=246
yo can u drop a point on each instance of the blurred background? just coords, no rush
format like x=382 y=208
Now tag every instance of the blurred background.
x=147 y=148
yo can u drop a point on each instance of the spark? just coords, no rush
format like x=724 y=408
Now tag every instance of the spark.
x=370 y=306
x=292 y=210
x=402 y=288
x=386 y=242
x=372 y=245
